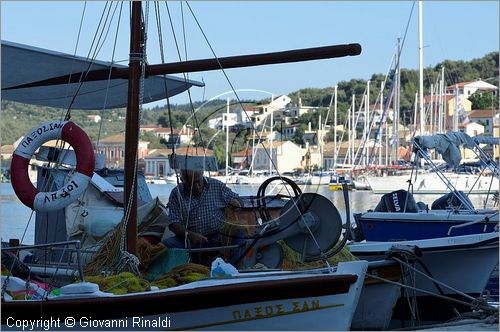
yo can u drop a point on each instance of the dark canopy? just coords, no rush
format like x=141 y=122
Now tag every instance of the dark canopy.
x=22 y=64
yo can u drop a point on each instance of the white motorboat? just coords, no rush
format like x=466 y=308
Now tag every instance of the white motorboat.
x=457 y=264
x=430 y=183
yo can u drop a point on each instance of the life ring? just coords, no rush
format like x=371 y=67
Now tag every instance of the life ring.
x=75 y=184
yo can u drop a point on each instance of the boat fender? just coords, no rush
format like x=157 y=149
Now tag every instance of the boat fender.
x=75 y=183
x=79 y=288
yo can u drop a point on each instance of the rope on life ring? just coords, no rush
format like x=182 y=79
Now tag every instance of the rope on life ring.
x=75 y=184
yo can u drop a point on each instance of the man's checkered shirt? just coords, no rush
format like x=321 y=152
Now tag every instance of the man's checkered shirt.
x=204 y=214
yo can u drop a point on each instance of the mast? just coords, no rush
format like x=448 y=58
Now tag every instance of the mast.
x=431 y=110
x=250 y=168
x=455 y=111
x=440 y=108
x=386 y=124
x=349 y=134
x=395 y=111
x=271 y=139
x=443 y=103
x=335 y=129
x=353 y=130
x=367 y=123
x=381 y=110
x=320 y=143
x=421 y=69
x=132 y=124
x=227 y=139
x=398 y=99
x=415 y=112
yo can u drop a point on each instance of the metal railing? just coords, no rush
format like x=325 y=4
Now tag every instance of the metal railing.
x=52 y=246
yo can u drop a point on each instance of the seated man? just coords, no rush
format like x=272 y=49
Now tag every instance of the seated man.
x=196 y=211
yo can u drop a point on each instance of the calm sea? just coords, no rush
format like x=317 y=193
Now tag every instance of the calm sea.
x=18 y=221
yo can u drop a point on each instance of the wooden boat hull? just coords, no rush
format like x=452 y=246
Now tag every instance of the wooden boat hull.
x=282 y=301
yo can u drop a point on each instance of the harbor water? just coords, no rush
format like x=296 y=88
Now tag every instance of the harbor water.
x=18 y=221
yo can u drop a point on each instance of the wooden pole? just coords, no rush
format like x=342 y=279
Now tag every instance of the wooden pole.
x=239 y=61
x=132 y=125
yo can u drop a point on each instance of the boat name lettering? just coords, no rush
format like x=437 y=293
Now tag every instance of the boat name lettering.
x=275 y=309
x=40 y=130
x=66 y=191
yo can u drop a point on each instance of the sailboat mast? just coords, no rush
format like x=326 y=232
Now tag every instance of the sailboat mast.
x=398 y=100
x=367 y=123
x=431 y=111
x=352 y=137
x=441 y=97
x=271 y=138
x=381 y=110
x=395 y=110
x=335 y=129
x=320 y=142
x=455 y=111
x=421 y=69
x=227 y=140
x=132 y=125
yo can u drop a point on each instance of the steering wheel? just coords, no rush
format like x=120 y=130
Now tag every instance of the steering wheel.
x=261 y=193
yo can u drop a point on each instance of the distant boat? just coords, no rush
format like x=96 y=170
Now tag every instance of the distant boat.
x=338 y=180
x=430 y=183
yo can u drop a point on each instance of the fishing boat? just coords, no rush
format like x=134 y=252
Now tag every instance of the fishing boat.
x=440 y=271
x=280 y=300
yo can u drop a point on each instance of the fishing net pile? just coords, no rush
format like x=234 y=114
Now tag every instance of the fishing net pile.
x=126 y=282
x=292 y=260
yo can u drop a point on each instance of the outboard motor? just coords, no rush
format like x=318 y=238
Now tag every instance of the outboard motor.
x=451 y=201
x=397 y=201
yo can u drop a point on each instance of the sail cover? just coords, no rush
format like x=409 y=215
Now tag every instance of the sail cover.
x=486 y=140
x=22 y=64
x=447 y=145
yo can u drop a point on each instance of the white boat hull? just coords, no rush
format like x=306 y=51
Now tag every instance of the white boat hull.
x=462 y=262
x=430 y=183
x=378 y=298
x=257 y=301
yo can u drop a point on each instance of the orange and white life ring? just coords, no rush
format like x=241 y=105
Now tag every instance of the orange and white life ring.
x=75 y=184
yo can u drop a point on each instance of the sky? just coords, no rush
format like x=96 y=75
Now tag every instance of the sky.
x=454 y=30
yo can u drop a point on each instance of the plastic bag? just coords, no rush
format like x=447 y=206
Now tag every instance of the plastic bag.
x=221 y=269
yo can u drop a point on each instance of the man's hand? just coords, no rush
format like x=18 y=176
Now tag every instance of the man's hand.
x=196 y=239
x=236 y=202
